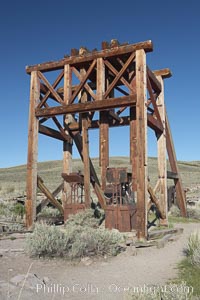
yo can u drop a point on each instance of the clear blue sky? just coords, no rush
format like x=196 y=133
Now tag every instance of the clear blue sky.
x=37 y=31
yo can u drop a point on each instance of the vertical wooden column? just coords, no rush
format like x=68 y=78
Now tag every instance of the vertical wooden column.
x=32 y=151
x=162 y=163
x=174 y=167
x=85 y=152
x=104 y=126
x=133 y=146
x=141 y=144
x=67 y=146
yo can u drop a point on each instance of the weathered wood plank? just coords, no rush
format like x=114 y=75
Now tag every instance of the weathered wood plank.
x=133 y=147
x=48 y=93
x=124 y=121
x=153 y=100
x=85 y=145
x=141 y=142
x=86 y=85
x=55 y=65
x=154 y=81
x=162 y=160
x=154 y=124
x=67 y=145
x=119 y=74
x=160 y=233
x=114 y=115
x=51 y=89
x=45 y=201
x=174 y=167
x=164 y=73
x=103 y=124
x=45 y=130
x=156 y=202
x=89 y=106
x=30 y=204
x=49 y=195
x=172 y=175
x=83 y=81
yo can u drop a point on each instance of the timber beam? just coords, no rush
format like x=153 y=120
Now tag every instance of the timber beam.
x=73 y=60
x=123 y=121
x=45 y=201
x=85 y=107
x=49 y=195
x=53 y=133
x=156 y=202
x=164 y=73
x=156 y=85
x=172 y=175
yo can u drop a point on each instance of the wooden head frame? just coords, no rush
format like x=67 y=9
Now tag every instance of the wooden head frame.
x=115 y=70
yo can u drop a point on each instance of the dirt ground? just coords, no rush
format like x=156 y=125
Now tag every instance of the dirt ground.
x=22 y=277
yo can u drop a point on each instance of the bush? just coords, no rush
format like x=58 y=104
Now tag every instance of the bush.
x=49 y=212
x=83 y=218
x=9 y=211
x=19 y=209
x=80 y=237
x=175 y=211
x=193 y=213
x=46 y=241
x=96 y=242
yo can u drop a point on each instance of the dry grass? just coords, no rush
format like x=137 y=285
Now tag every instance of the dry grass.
x=13 y=180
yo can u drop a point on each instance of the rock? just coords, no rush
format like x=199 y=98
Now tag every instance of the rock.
x=86 y=261
x=131 y=250
x=29 y=281
x=129 y=242
x=46 y=280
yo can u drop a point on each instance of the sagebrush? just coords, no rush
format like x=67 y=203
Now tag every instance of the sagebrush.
x=193 y=213
x=175 y=211
x=80 y=237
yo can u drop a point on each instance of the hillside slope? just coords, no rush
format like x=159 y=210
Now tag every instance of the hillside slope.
x=13 y=180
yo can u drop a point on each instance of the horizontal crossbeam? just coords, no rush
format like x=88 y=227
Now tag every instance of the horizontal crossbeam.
x=172 y=175
x=56 y=65
x=164 y=73
x=88 y=106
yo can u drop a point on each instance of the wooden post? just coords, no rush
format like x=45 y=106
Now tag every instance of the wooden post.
x=67 y=146
x=32 y=151
x=174 y=167
x=162 y=163
x=103 y=124
x=133 y=147
x=133 y=126
x=85 y=142
x=141 y=144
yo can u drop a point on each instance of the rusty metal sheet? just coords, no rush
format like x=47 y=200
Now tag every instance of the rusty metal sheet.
x=73 y=177
x=121 y=217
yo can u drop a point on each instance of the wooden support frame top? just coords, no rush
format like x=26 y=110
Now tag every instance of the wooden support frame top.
x=73 y=60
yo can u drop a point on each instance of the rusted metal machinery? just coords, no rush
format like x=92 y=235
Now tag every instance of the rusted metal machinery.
x=120 y=212
x=75 y=201
x=117 y=83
